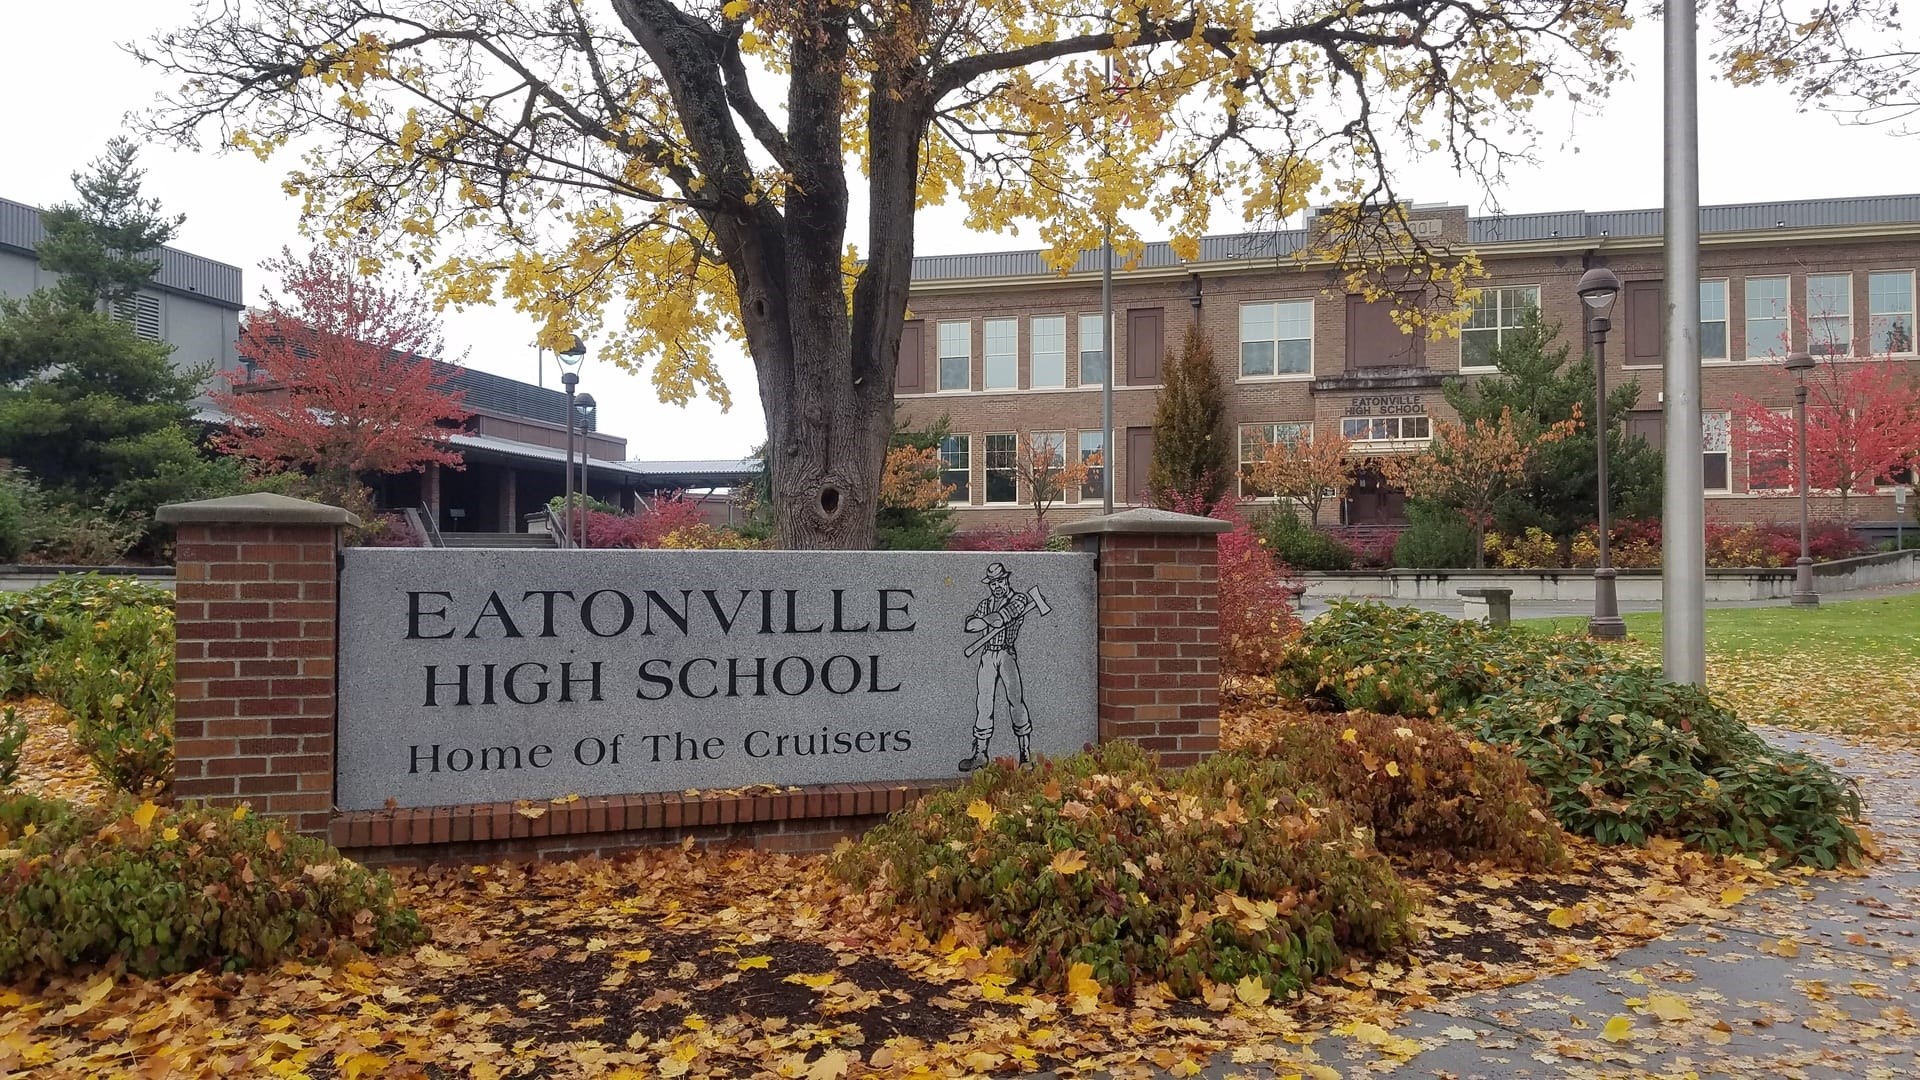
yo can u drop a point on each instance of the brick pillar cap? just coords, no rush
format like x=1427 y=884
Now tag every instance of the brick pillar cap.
x=259 y=508
x=1144 y=520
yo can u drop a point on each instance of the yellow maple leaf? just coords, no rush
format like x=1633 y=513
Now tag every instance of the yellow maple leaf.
x=1618 y=1029
x=1351 y=735
x=169 y=833
x=1730 y=897
x=814 y=982
x=1560 y=917
x=979 y=811
x=143 y=817
x=828 y=1066
x=1393 y=768
x=750 y=963
x=1081 y=983
x=1251 y=991
x=364 y=1063
x=240 y=813
x=736 y=9
x=635 y=956
x=1069 y=862
x=1786 y=947
x=1669 y=1007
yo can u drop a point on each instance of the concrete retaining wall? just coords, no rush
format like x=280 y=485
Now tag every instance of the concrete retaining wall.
x=1634 y=586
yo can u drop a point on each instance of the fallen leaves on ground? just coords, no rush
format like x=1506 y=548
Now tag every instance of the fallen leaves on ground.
x=684 y=962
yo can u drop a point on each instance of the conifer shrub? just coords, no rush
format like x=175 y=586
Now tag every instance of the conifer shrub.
x=1431 y=794
x=1102 y=859
x=166 y=890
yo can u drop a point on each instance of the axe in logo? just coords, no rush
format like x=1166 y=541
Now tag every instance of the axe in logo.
x=1036 y=601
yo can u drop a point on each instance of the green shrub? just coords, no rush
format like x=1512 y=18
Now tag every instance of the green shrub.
x=169 y=890
x=1378 y=658
x=31 y=621
x=1625 y=755
x=1430 y=794
x=13 y=735
x=1437 y=538
x=13 y=522
x=114 y=677
x=1102 y=859
x=1300 y=545
x=63 y=534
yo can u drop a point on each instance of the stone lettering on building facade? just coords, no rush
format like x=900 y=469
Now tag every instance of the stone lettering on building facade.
x=484 y=676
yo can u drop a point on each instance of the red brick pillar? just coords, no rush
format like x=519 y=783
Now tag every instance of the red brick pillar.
x=1159 y=660
x=255 y=602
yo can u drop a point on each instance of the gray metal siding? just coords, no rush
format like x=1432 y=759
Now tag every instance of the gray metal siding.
x=20 y=228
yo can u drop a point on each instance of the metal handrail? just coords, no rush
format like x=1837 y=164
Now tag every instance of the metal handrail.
x=421 y=520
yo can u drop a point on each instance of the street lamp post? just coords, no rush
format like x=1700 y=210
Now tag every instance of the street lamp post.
x=570 y=358
x=1800 y=363
x=580 y=405
x=1598 y=288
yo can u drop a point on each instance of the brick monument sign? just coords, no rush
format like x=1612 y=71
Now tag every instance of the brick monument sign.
x=421 y=704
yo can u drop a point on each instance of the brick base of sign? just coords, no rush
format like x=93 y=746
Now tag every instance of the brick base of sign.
x=803 y=821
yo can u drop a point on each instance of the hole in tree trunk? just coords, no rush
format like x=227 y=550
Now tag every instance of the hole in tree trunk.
x=830 y=501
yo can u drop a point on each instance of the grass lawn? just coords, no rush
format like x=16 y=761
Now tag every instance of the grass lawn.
x=1847 y=667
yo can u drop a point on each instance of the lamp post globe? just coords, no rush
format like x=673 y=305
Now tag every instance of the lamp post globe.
x=1599 y=287
x=1800 y=363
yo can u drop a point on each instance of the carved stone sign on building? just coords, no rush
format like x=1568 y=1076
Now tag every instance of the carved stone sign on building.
x=484 y=676
x=1386 y=405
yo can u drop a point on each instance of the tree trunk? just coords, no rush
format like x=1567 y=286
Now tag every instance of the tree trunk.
x=1479 y=543
x=827 y=438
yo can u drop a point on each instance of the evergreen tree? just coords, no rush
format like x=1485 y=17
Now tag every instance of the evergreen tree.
x=95 y=414
x=1542 y=386
x=100 y=245
x=1190 y=443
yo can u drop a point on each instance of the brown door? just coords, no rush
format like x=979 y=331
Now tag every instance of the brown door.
x=1646 y=314
x=1146 y=342
x=911 y=376
x=1370 y=501
x=1139 y=465
x=1374 y=341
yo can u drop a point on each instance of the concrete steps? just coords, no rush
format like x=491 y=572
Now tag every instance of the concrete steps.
x=496 y=540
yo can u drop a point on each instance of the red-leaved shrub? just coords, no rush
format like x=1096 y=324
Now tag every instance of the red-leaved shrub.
x=645 y=529
x=1257 y=592
x=999 y=538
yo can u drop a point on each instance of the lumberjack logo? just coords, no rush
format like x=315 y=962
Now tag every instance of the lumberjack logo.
x=997 y=619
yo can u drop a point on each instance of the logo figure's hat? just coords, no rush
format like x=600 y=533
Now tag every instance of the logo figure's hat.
x=996 y=572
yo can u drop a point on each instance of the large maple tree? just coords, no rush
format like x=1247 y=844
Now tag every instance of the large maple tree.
x=1863 y=425
x=664 y=175
x=345 y=379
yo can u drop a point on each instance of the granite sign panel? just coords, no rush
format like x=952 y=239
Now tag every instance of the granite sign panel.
x=483 y=676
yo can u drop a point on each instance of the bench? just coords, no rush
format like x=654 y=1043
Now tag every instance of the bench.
x=1492 y=606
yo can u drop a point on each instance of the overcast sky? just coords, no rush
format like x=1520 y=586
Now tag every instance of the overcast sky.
x=68 y=84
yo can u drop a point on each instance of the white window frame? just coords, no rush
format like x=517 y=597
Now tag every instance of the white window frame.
x=1098 y=322
x=1823 y=343
x=1276 y=375
x=1707 y=427
x=1725 y=320
x=1011 y=469
x=1034 y=352
x=1783 y=318
x=1397 y=424
x=1505 y=321
x=1873 y=335
x=1092 y=488
x=966 y=447
x=1270 y=432
x=940 y=367
x=1008 y=330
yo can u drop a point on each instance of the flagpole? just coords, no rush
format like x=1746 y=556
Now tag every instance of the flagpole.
x=1106 y=337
